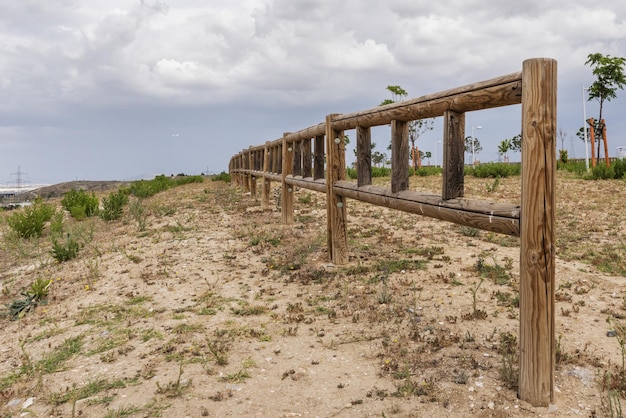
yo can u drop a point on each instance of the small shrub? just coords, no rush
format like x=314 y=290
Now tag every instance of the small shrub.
x=113 y=205
x=64 y=251
x=80 y=204
x=469 y=231
x=29 y=221
x=139 y=213
x=381 y=171
x=494 y=170
x=576 y=167
x=619 y=167
x=509 y=371
x=179 y=181
x=602 y=172
x=223 y=176
x=425 y=171
x=36 y=295
x=56 y=225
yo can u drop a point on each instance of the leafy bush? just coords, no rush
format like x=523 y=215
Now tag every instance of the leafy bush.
x=602 y=172
x=620 y=168
x=494 y=170
x=113 y=205
x=148 y=188
x=64 y=251
x=576 y=167
x=381 y=172
x=425 y=171
x=80 y=204
x=29 y=221
x=56 y=224
x=179 y=181
x=223 y=176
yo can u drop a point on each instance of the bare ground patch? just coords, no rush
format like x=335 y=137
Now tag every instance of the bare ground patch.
x=204 y=305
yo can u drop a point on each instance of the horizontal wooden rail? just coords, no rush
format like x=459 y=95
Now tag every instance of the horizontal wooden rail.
x=497 y=92
x=494 y=217
x=309 y=183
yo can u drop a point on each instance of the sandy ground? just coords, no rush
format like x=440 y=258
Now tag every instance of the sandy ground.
x=205 y=305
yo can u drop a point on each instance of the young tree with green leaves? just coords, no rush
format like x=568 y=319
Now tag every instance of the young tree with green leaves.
x=469 y=141
x=504 y=148
x=416 y=128
x=610 y=77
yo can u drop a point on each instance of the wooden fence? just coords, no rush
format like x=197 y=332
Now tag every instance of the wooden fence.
x=314 y=159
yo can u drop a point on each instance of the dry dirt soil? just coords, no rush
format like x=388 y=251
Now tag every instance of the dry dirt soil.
x=198 y=303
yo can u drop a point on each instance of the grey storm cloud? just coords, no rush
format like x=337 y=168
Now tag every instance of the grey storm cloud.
x=118 y=77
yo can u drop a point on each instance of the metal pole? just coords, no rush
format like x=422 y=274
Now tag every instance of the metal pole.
x=472 y=146
x=585 y=131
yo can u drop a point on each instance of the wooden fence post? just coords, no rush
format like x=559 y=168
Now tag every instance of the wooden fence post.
x=297 y=158
x=537 y=233
x=337 y=239
x=318 y=158
x=267 y=184
x=307 y=162
x=252 y=177
x=453 y=152
x=592 y=138
x=287 y=190
x=606 y=144
x=364 y=156
x=399 y=156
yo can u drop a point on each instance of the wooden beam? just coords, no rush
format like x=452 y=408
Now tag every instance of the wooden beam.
x=494 y=217
x=399 y=156
x=318 y=159
x=453 y=155
x=307 y=158
x=337 y=238
x=308 y=183
x=501 y=91
x=297 y=158
x=364 y=155
x=286 y=190
x=537 y=229
x=267 y=184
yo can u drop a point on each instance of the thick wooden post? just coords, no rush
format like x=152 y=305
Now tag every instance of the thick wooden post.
x=267 y=184
x=287 y=190
x=245 y=164
x=337 y=239
x=592 y=138
x=252 y=177
x=318 y=159
x=537 y=232
x=606 y=144
x=297 y=158
x=399 y=156
x=363 y=156
x=307 y=166
x=453 y=152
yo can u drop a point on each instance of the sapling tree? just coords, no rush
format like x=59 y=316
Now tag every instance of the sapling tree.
x=416 y=127
x=504 y=147
x=471 y=141
x=610 y=77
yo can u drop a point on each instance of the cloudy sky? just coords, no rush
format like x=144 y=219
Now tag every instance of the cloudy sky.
x=123 y=89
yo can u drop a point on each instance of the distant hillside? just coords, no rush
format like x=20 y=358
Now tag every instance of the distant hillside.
x=57 y=190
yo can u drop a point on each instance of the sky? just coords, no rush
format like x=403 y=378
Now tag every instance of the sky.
x=128 y=89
